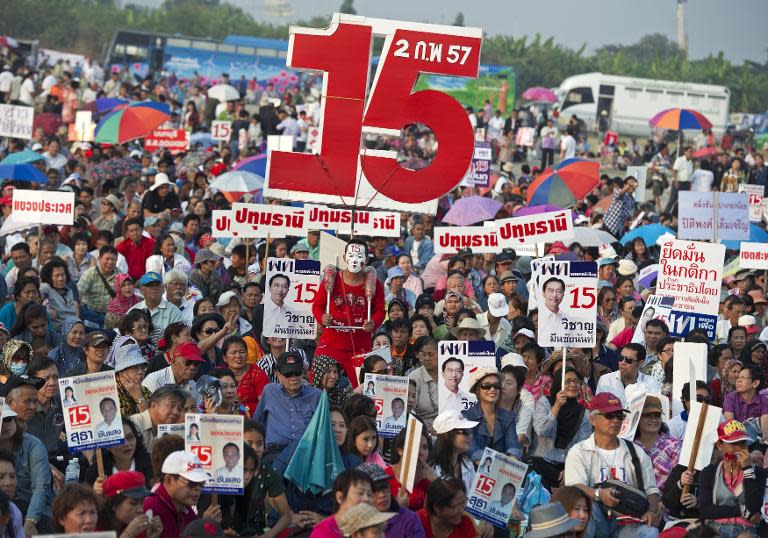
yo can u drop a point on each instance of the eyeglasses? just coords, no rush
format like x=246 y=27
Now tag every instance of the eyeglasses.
x=572 y=382
x=703 y=399
x=628 y=360
x=7 y=419
x=190 y=484
x=210 y=330
x=614 y=416
x=742 y=378
x=490 y=386
x=652 y=416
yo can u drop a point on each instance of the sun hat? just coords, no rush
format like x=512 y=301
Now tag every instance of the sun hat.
x=450 y=420
x=469 y=324
x=161 y=180
x=513 y=359
x=361 y=516
x=128 y=356
x=478 y=374
x=546 y=520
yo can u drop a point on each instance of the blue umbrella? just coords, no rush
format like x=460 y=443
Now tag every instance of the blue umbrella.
x=22 y=172
x=648 y=233
x=255 y=165
x=105 y=104
x=22 y=157
x=317 y=460
x=756 y=234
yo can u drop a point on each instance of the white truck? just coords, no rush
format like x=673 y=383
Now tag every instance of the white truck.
x=629 y=102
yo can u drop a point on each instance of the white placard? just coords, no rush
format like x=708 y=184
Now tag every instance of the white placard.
x=692 y=273
x=753 y=255
x=279 y=143
x=369 y=223
x=44 y=207
x=170 y=429
x=566 y=295
x=687 y=353
x=221 y=130
x=756 y=196
x=708 y=435
x=539 y=228
x=291 y=287
x=481 y=239
x=331 y=250
x=495 y=487
x=640 y=173
x=218 y=441
x=84 y=126
x=16 y=121
x=456 y=360
x=411 y=453
x=656 y=307
x=696 y=215
x=269 y=219
x=91 y=411
x=390 y=395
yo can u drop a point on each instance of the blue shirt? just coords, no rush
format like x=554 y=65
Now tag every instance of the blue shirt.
x=286 y=417
x=504 y=438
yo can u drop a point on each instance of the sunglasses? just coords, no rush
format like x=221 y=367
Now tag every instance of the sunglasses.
x=703 y=399
x=490 y=386
x=628 y=360
x=210 y=330
x=292 y=374
x=614 y=416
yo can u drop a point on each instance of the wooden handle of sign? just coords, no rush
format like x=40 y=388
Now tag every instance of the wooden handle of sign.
x=696 y=442
x=269 y=241
x=214 y=498
x=100 y=462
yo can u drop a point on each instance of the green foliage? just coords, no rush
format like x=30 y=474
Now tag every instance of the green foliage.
x=459 y=20
x=86 y=26
x=348 y=6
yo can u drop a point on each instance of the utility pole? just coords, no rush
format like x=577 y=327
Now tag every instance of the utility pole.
x=682 y=37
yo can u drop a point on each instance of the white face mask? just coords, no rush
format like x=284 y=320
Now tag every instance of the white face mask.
x=354 y=257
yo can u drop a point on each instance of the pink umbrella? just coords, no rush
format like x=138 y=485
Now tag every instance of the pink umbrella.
x=537 y=93
x=472 y=209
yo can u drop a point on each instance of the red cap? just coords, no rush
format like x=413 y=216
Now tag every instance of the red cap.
x=732 y=431
x=606 y=402
x=189 y=351
x=128 y=483
x=6 y=200
x=557 y=248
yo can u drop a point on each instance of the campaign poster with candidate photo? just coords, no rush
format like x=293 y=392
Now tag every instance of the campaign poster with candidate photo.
x=390 y=395
x=291 y=288
x=494 y=489
x=218 y=441
x=566 y=295
x=91 y=411
x=456 y=360
x=656 y=307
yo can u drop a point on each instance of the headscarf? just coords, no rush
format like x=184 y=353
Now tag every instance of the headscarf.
x=10 y=349
x=320 y=365
x=725 y=386
x=66 y=356
x=120 y=304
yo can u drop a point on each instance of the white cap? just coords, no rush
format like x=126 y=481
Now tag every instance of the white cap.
x=513 y=359
x=451 y=420
x=497 y=305
x=160 y=180
x=524 y=332
x=185 y=464
x=8 y=412
x=37 y=146
x=227 y=296
x=746 y=320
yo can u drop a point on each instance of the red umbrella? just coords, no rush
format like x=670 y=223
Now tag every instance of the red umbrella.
x=537 y=93
x=565 y=184
x=707 y=151
x=132 y=121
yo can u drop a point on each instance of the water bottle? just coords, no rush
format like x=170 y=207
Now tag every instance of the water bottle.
x=72 y=475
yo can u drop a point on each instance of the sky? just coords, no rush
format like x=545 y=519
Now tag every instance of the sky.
x=737 y=27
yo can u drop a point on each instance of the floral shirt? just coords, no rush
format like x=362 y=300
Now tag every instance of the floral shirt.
x=664 y=455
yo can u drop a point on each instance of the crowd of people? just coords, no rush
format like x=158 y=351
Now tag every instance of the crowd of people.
x=139 y=286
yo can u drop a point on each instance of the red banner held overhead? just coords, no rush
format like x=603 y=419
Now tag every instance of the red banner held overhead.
x=175 y=140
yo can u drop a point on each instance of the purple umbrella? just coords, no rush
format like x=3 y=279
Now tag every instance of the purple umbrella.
x=537 y=93
x=472 y=209
x=536 y=209
x=255 y=165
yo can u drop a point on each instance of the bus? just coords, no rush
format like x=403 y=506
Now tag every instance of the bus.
x=186 y=57
x=630 y=102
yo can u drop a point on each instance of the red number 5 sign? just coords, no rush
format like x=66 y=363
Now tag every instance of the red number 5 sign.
x=365 y=177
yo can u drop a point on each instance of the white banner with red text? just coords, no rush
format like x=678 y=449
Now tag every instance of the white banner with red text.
x=43 y=207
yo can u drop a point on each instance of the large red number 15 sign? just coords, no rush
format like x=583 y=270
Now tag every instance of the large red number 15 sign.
x=365 y=177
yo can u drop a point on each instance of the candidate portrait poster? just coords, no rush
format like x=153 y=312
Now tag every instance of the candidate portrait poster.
x=656 y=307
x=91 y=411
x=291 y=286
x=495 y=487
x=566 y=295
x=456 y=359
x=390 y=395
x=218 y=441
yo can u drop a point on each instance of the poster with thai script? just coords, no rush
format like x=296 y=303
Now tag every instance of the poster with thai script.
x=456 y=360
x=525 y=137
x=263 y=219
x=174 y=140
x=566 y=295
x=291 y=286
x=697 y=212
x=221 y=130
x=390 y=395
x=170 y=429
x=539 y=228
x=218 y=441
x=495 y=487
x=756 y=194
x=221 y=226
x=692 y=273
x=656 y=307
x=370 y=223
x=43 y=207
x=640 y=173
x=481 y=239
x=681 y=323
x=479 y=173
x=16 y=121
x=91 y=411
x=753 y=255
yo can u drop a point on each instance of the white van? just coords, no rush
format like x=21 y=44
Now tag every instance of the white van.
x=630 y=102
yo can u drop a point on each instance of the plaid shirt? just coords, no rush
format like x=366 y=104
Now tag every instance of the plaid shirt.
x=622 y=207
x=664 y=455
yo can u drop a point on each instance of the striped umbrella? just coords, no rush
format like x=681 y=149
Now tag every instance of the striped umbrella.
x=132 y=121
x=565 y=184
x=677 y=119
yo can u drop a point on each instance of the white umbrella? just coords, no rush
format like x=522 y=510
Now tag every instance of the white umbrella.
x=12 y=226
x=224 y=92
x=589 y=237
x=236 y=183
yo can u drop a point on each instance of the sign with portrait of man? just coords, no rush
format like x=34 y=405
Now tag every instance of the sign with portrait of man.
x=291 y=286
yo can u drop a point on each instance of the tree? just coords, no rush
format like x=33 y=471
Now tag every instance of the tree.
x=348 y=7
x=459 y=20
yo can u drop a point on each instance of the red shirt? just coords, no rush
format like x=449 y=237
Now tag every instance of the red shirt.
x=349 y=307
x=416 y=497
x=466 y=528
x=136 y=255
x=250 y=388
x=173 y=522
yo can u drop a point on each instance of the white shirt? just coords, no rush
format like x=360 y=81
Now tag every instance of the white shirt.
x=611 y=382
x=459 y=401
x=568 y=147
x=684 y=169
x=122 y=263
x=391 y=423
x=550 y=323
x=163 y=377
x=103 y=428
x=701 y=180
x=155 y=263
x=5 y=81
x=274 y=316
x=27 y=92
x=503 y=331
x=721 y=330
x=415 y=252
x=228 y=477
